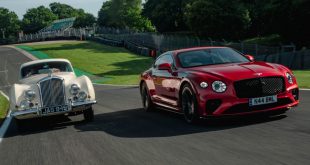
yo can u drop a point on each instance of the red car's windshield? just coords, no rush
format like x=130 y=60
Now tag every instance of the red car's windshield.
x=210 y=56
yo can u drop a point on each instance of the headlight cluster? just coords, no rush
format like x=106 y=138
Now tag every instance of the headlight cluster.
x=27 y=103
x=217 y=86
x=74 y=90
x=289 y=78
x=79 y=95
x=30 y=95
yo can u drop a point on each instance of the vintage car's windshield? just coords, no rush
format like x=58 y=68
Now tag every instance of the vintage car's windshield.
x=210 y=56
x=45 y=68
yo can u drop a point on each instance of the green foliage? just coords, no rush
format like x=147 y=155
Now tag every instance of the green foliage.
x=63 y=10
x=36 y=19
x=9 y=23
x=218 y=18
x=4 y=107
x=66 y=11
x=166 y=15
x=123 y=14
x=85 y=20
x=284 y=17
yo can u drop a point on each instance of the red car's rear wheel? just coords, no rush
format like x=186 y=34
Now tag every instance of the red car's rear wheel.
x=189 y=104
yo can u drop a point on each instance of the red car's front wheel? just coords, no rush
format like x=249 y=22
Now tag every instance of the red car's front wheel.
x=189 y=104
x=146 y=98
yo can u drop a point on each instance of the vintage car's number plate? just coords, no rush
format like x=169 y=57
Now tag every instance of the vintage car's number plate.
x=263 y=100
x=57 y=109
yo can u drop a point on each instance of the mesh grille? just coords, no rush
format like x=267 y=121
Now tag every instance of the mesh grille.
x=259 y=87
x=52 y=91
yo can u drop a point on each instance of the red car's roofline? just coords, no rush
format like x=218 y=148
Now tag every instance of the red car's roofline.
x=196 y=48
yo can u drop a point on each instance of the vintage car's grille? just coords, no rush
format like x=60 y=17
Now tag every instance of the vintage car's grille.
x=259 y=87
x=52 y=91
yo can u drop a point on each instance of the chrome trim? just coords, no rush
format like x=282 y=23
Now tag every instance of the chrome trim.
x=76 y=104
x=26 y=112
x=49 y=78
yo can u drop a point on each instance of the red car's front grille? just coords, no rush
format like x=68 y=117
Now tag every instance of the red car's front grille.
x=243 y=108
x=259 y=87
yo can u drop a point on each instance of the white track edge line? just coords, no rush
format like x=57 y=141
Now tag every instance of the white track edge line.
x=7 y=121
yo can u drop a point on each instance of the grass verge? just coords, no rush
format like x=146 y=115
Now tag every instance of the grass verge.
x=110 y=65
x=4 y=107
x=303 y=78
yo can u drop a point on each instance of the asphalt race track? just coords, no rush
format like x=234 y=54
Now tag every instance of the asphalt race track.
x=122 y=133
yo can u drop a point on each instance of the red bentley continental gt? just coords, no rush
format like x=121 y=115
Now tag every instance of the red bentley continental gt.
x=217 y=81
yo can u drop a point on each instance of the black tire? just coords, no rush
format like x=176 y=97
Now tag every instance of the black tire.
x=189 y=105
x=18 y=124
x=89 y=114
x=147 y=103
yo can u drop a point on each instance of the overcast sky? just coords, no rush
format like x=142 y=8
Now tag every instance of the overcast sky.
x=20 y=6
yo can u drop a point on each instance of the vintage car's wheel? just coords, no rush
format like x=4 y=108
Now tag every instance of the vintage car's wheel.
x=189 y=104
x=146 y=98
x=18 y=124
x=89 y=114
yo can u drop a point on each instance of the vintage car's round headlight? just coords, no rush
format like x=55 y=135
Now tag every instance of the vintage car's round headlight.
x=219 y=86
x=82 y=96
x=25 y=104
x=203 y=84
x=74 y=90
x=30 y=95
x=289 y=78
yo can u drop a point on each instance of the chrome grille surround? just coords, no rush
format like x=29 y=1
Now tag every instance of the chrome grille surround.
x=52 y=92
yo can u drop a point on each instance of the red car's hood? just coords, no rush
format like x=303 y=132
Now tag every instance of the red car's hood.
x=240 y=71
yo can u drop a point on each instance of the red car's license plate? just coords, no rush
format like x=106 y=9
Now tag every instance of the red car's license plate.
x=263 y=100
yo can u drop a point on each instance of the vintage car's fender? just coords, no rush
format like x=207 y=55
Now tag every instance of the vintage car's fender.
x=86 y=85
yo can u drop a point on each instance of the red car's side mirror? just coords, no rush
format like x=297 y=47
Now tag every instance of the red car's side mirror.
x=250 y=57
x=165 y=66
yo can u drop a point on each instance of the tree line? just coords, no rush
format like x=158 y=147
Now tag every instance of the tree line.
x=40 y=17
x=217 y=19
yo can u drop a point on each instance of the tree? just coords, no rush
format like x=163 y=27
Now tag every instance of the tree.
x=84 y=20
x=123 y=14
x=218 y=18
x=63 y=10
x=10 y=25
x=66 y=11
x=36 y=19
x=166 y=15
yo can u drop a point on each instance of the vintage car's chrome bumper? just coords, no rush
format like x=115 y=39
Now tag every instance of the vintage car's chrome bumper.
x=36 y=112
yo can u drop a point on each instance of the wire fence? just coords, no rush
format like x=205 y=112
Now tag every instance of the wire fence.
x=153 y=44
x=81 y=33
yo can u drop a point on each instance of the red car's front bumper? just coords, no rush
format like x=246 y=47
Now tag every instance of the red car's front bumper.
x=223 y=105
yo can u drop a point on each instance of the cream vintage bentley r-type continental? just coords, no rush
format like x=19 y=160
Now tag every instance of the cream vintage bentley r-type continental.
x=50 y=87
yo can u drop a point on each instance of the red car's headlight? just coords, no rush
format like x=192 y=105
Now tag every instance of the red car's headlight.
x=219 y=86
x=289 y=78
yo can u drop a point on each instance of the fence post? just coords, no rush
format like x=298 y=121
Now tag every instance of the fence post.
x=198 y=41
x=256 y=49
x=242 y=46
